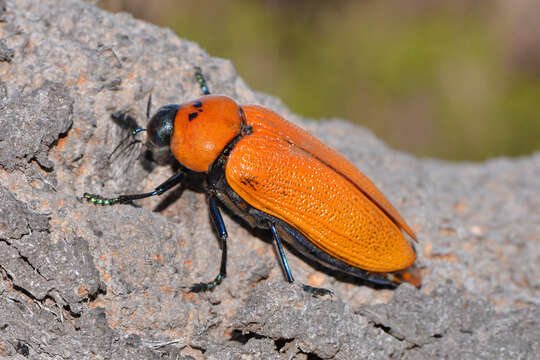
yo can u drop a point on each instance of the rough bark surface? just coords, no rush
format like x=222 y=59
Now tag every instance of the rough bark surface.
x=79 y=281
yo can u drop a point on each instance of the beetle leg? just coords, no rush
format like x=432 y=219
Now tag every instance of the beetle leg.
x=123 y=199
x=315 y=291
x=217 y=219
x=201 y=80
x=282 y=259
x=287 y=270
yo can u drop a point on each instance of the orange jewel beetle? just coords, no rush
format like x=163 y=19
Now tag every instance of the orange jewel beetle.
x=277 y=176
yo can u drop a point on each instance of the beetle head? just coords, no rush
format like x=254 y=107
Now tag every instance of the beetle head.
x=160 y=127
x=196 y=131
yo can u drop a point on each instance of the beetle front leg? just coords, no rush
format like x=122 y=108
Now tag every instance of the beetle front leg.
x=217 y=219
x=124 y=199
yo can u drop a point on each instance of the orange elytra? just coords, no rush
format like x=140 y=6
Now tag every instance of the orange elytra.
x=277 y=176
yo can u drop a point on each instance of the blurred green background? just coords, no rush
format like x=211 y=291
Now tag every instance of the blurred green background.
x=457 y=80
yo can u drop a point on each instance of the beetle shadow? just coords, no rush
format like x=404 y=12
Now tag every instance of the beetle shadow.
x=124 y=120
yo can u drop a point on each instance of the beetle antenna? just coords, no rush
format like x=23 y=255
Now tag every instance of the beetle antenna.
x=124 y=140
x=201 y=80
x=134 y=132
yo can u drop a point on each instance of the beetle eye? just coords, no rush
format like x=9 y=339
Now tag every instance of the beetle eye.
x=160 y=126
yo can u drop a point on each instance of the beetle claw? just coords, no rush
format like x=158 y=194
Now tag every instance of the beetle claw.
x=208 y=286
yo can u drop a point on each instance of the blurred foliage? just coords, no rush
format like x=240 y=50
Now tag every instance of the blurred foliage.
x=457 y=80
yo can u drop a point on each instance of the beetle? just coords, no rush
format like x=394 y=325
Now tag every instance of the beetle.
x=276 y=176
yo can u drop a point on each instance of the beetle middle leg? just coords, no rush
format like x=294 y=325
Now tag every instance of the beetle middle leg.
x=287 y=270
x=217 y=219
x=125 y=199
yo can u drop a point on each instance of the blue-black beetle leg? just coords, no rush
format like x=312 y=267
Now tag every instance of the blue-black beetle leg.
x=123 y=199
x=287 y=270
x=217 y=219
x=281 y=254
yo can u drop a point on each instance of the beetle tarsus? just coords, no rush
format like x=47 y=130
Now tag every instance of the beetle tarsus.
x=201 y=80
x=315 y=291
x=209 y=286
x=99 y=200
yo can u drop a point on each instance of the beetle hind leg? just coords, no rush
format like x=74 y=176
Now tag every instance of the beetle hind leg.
x=287 y=270
x=282 y=259
x=217 y=219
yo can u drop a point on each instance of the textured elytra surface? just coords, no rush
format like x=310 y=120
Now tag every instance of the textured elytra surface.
x=272 y=171
x=268 y=121
x=78 y=281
